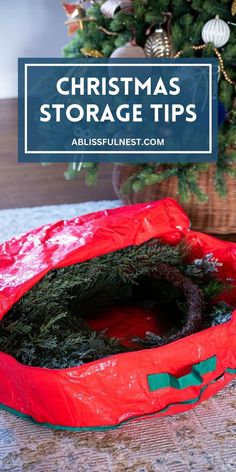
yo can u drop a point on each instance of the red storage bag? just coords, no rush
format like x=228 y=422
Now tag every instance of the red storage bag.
x=107 y=392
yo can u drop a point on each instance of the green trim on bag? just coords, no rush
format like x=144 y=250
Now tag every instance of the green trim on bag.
x=105 y=428
x=230 y=371
x=194 y=378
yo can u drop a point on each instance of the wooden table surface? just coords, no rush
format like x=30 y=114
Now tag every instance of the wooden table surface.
x=28 y=185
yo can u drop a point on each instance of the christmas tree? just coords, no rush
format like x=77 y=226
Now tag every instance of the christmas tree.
x=164 y=28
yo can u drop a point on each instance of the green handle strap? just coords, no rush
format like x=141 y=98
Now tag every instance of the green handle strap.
x=157 y=381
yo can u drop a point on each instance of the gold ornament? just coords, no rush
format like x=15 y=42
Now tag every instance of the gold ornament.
x=158 y=44
x=233 y=8
x=91 y=52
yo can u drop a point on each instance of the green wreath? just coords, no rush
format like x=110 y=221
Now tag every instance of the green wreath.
x=49 y=325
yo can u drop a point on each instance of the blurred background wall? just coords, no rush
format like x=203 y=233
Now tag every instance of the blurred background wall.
x=28 y=28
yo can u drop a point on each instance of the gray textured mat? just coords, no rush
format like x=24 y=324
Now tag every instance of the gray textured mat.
x=203 y=439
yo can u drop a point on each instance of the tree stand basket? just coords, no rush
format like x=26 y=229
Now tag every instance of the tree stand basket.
x=216 y=216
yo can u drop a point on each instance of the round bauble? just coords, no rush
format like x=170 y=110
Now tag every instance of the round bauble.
x=216 y=31
x=158 y=44
x=128 y=51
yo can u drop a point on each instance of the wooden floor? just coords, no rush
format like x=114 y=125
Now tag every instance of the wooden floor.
x=28 y=185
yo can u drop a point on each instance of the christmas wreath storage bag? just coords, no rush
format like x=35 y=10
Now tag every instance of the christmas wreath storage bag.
x=113 y=316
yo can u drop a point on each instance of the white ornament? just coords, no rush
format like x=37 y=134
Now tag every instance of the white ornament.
x=128 y=51
x=216 y=31
x=111 y=7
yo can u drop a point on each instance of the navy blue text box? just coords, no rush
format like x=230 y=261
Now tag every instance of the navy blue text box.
x=108 y=110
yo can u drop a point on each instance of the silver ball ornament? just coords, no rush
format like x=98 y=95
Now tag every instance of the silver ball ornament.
x=216 y=31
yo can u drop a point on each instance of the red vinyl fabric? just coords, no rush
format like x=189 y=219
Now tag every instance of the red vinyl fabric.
x=105 y=393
